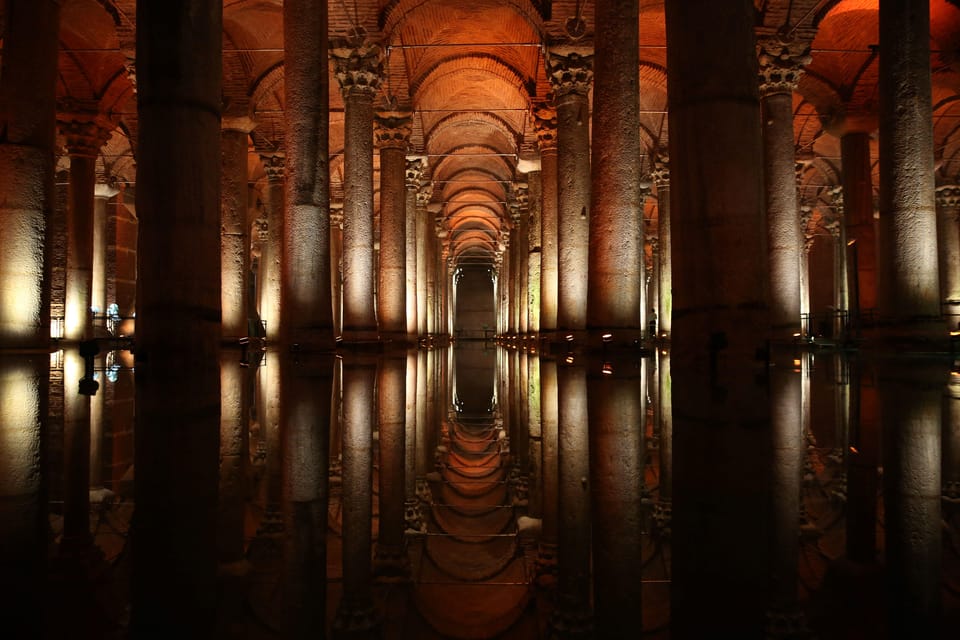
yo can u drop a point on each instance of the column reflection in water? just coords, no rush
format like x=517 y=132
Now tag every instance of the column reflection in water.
x=391 y=558
x=911 y=397
x=862 y=460
x=662 y=509
x=355 y=613
x=77 y=543
x=572 y=615
x=617 y=411
x=535 y=460
x=951 y=441
x=307 y=398
x=23 y=516
x=547 y=552
x=413 y=516
x=234 y=457
x=423 y=455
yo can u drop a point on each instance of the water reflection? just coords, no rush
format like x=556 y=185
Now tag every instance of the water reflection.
x=480 y=492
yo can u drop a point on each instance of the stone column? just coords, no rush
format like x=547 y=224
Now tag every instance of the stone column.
x=721 y=319
x=661 y=178
x=617 y=405
x=84 y=137
x=433 y=227
x=948 y=243
x=307 y=309
x=355 y=613
x=101 y=193
x=414 y=174
x=516 y=268
x=910 y=284
x=358 y=69
x=571 y=71
x=178 y=318
x=393 y=135
x=781 y=66
x=423 y=238
x=616 y=276
x=336 y=265
x=546 y=127
x=271 y=258
x=234 y=239
x=523 y=250
x=842 y=277
x=27 y=102
x=534 y=245
x=391 y=559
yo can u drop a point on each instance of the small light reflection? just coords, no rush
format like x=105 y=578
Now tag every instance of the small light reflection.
x=607 y=369
x=853 y=450
x=569 y=337
x=569 y=359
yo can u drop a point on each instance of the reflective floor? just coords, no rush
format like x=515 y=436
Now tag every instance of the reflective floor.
x=479 y=491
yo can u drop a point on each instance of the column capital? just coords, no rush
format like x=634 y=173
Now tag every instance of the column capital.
x=522 y=195
x=948 y=198
x=424 y=194
x=392 y=129
x=336 y=216
x=105 y=190
x=570 y=69
x=84 y=132
x=416 y=167
x=806 y=215
x=660 y=173
x=243 y=124
x=358 y=67
x=781 y=65
x=545 y=125
x=273 y=165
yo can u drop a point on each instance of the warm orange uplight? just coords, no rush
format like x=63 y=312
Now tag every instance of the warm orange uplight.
x=569 y=359
x=853 y=450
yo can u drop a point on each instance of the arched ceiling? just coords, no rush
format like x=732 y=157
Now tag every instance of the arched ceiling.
x=472 y=73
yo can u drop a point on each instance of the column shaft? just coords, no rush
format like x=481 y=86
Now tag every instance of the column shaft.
x=948 y=242
x=859 y=224
x=546 y=131
x=393 y=132
x=234 y=238
x=661 y=175
x=271 y=259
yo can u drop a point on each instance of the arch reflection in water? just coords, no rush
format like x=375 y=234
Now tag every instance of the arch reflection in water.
x=479 y=491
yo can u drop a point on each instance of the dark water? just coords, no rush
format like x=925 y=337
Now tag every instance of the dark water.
x=479 y=492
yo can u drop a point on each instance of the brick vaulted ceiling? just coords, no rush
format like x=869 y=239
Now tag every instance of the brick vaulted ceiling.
x=473 y=71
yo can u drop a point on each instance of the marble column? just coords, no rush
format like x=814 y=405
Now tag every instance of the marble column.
x=616 y=291
x=84 y=136
x=534 y=247
x=661 y=178
x=178 y=318
x=27 y=102
x=336 y=265
x=234 y=238
x=413 y=176
x=306 y=318
x=546 y=127
x=424 y=229
x=781 y=66
x=948 y=254
x=101 y=194
x=522 y=195
x=392 y=129
x=720 y=320
x=358 y=70
x=271 y=258
x=909 y=283
x=571 y=71
x=391 y=559
x=355 y=612
x=617 y=405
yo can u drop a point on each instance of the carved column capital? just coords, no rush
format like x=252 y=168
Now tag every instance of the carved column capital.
x=545 y=124
x=273 y=165
x=948 y=200
x=425 y=194
x=660 y=173
x=522 y=196
x=391 y=129
x=357 y=67
x=569 y=71
x=416 y=167
x=781 y=65
x=336 y=216
x=84 y=133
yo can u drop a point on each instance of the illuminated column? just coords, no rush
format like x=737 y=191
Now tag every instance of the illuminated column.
x=661 y=178
x=178 y=318
x=571 y=72
x=307 y=392
x=572 y=615
x=545 y=120
x=391 y=556
x=720 y=321
x=910 y=286
x=424 y=228
x=101 y=193
x=27 y=102
x=653 y=279
x=336 y=265
x=358 y=69
x=84 y=137
x=781 y=66
x=412 y=515
x=806 y=213
x=911 y=404
x=355 y=613
x=547 y=551
x=414 y=174
x=23 y=512
x=272 y=252
x=307 y=310
x=513 y=296
x=234 y=241
x=948 y=243
x=838 y=228
x=523 y=250
x=534 y=242
x=503 y=283
x=393 y=135
x=432 y=257
x=616 y=275
x=617 y=405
